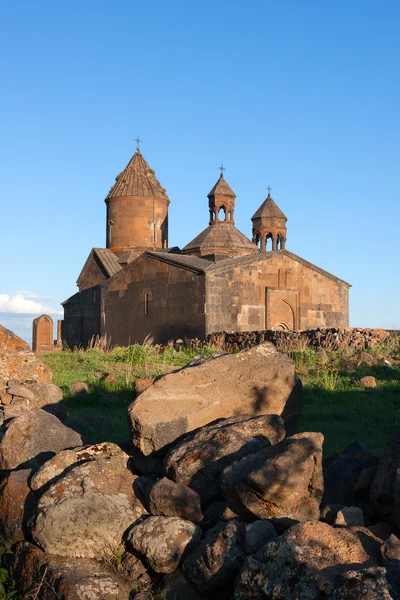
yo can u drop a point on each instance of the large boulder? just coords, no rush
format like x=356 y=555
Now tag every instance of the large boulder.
x=200 y=457
x=283 y=481
x=52 y=577
x=86 y=511
x=312 y=560
x=253 y=382
x=342 y=477
x=164 y=541
x=213 y=564
x=385 y=488
x=17 y=361
x=32 y=438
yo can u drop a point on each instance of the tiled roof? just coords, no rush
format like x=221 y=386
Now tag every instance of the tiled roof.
x=221 y=235
x=188 y=262
x=108 y=260
x=222 y=187
x=269 y=209
x=137 y=179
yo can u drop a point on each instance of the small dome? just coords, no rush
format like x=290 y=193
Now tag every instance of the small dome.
x=221 y=237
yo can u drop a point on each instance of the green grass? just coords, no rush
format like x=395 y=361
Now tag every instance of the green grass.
x=333 y=403
x=101 y=415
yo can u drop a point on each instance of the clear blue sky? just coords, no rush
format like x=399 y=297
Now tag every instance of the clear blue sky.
x=302 y=95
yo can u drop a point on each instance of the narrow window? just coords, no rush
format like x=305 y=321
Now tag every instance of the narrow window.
x=146 y=304
x=109 y=231
x=94 y=295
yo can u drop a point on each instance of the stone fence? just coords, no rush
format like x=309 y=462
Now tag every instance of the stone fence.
x=329 y=339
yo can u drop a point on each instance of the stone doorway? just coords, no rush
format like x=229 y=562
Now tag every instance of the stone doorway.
x=281 y=309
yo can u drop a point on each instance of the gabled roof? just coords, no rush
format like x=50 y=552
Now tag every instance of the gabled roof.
x=105 y=258
x=221 y=235
x=222 y=187
x=137 y=179
x=269 y=209
x=192 y=263
x=108 y=260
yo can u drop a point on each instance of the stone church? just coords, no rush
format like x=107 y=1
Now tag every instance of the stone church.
x=138 y=285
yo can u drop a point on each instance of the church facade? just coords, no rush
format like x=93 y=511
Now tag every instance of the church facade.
x=220 y=281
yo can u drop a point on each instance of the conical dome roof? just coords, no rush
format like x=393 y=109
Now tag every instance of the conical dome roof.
x=137 y=179
x=221 y=236
x=222 y=187
x=269 y=209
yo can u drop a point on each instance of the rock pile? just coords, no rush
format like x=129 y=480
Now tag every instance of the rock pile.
x=329 y=339
x=224 y=505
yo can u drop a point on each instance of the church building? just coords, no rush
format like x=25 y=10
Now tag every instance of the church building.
x=220 y=281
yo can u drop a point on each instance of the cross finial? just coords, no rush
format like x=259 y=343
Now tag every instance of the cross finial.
x=269 y=188
x=222 y=169
x=138 y=141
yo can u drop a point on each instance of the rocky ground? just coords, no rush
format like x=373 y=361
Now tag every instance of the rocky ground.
x=215 y=497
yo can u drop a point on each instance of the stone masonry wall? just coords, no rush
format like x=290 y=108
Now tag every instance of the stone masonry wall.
x=279 y=292
x=329 y=339
x=153 y=298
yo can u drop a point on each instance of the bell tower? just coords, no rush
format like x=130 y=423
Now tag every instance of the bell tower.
x=221 y=197
x=137 y=209
x=269 y=223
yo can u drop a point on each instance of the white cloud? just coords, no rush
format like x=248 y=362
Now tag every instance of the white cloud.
x=22 y=304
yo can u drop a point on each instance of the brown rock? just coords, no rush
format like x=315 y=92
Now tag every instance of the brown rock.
x=86 y=512
x=200 y=457
x=253 y=382
x=5 y=398
x=312 y=560
x=34 y=437
x=257 y=535
x=213 y=564
x=171 y=499
x=368 y=381
x=79 y=388
x=164 y=541
x=18 y=362
x=141 y=385
x=284 y=481
x=21 y=391
x=216 y=512
x=64 y=579
x=15 y=506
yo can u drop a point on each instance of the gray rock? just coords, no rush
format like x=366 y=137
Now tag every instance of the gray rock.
x=200 y=457
x=164 y=541
x=216 y=512
x=382 y=493
x=177 y=587
x=61 y=462
x=349 y=516
x=171 y=499
x=342 y=475
x=253 y=382
x=284 y=481
x=34 y=437
x=213 y=564
x=85 y=512
x=21 y=391
x=257 y=535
